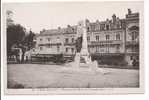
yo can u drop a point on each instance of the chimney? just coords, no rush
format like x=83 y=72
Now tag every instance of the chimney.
x=114 y=18
x=59 y=28
x=68 y=26
x=118 y=18
x=43 y=30
x=97 y=21
x=107 y=20
x=129 y=11
x=86 y=20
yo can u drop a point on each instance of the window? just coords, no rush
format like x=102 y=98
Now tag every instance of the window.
x=97 y=27
x=72 y=50
x=40 y=48
x=40 y=39
x=58 y=39
x=134 y=35
x=102 y=50
x=88 y=29
x=93 y=27
x=117 y=36
x=131 y=57
x=107 y=27
x=118 y=25
x=73 y=30
x=48 y=39
x=107 y=37
x=97 y=49
x=66 y=49
x=102 y=26
x=72 y=40
x=97 y=38
x=117 y=48
x=58 y=48
x=88 y=38
x=66 y=40
x=134 y=49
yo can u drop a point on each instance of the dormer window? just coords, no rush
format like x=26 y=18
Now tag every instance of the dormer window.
x=107 y=27
x=102 y=26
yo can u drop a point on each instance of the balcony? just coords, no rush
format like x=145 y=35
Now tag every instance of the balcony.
x=132 y=43
x=50 y=44
x=114 y=42
x=69 y=44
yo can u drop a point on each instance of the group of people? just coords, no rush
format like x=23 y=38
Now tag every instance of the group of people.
x=18 y=56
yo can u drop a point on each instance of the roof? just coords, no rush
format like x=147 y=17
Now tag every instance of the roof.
x=70 y=29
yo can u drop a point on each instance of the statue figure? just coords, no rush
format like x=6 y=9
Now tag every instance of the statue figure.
x=78 y=44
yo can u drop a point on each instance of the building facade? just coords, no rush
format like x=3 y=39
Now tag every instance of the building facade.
x=114 y=38
x=132 y=37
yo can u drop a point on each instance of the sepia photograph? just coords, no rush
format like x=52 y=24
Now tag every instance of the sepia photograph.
x=73 y=47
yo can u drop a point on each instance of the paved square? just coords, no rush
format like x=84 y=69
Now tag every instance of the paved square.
x=54 y=76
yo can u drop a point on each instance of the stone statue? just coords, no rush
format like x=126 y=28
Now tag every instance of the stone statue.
x=82 y=54
x=78 y=44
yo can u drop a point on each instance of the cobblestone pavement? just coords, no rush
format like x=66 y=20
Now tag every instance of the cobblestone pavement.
x=56 y=76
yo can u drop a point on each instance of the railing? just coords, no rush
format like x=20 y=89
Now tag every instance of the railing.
x=72 y=43
x=49 y=44
x=132 y=42
x=105 y=42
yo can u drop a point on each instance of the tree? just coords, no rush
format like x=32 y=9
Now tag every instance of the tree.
x=9 y=15
x=28 y=41
x=15 y=35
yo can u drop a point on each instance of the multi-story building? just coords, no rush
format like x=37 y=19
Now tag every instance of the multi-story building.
x=132 y=37
x=114 y=38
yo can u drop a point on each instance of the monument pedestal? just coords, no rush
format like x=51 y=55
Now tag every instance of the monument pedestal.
x=82 y=57
x=82 y=61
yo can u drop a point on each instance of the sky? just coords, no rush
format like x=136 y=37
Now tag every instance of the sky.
x=51 y=15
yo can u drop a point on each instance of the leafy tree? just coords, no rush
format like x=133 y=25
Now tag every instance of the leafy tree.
x=9 y=15
x=28 y=41
x=15 y=35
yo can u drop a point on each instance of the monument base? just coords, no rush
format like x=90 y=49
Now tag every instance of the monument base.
x=85 y=65
x=82 y=59
x=84 y=62
x=91 y=68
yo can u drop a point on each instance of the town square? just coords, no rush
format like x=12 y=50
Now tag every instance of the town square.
x=89 y=50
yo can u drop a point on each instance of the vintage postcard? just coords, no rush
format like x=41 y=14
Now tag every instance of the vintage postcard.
x=73 y=47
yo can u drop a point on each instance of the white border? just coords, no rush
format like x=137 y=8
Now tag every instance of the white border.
x=75 y=91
